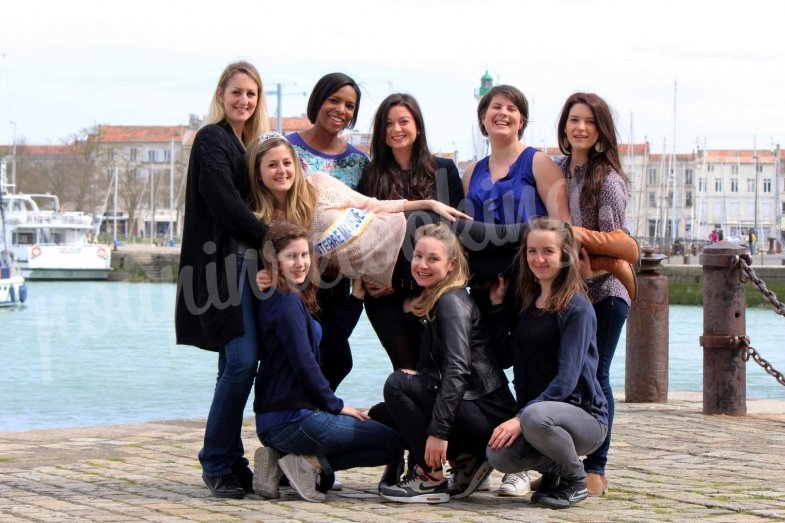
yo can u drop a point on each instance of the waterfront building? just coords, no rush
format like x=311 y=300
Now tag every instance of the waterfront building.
x=675 y=196
x=685 y=196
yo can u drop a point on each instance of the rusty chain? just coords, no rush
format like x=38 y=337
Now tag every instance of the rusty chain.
x=747 y=351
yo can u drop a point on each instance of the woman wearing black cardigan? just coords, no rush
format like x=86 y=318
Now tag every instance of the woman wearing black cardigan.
x=220 y=239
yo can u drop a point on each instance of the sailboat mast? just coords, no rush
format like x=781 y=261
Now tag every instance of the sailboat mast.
x=672 y=170
x=171 y=191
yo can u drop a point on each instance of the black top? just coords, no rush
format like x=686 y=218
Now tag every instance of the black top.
x=217 y=217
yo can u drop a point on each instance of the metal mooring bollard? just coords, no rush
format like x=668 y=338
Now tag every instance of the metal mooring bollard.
x=724 y=324
x=646 y=364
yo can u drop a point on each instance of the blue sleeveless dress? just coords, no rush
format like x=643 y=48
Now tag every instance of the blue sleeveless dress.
x=512 y=199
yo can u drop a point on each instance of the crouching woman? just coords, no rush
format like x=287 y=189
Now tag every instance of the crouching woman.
x=447 y=409
x=307 y=430
x=552 y=348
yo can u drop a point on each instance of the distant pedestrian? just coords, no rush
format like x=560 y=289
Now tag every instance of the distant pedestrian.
x=714 y=236
x=752 y=241
x=214 y=298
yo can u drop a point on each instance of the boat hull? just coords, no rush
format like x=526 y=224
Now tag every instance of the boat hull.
x=13 y=291
x=62 y=262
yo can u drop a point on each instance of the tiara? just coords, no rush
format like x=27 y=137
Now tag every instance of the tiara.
x=271 y=135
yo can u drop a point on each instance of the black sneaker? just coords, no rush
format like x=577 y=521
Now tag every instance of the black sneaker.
x=468 y=472
x=548 y=482
x=392 y=473
x=564 y=495
x=244 y=477
x=417 y=488
x=225 y=486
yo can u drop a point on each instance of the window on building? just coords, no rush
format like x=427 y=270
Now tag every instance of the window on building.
x=718 y=184
x=152 y=155
x=710 y=167
x=132 y=154
x=734 y=209
x=701 y=184
x=652 y=228
x=652 y=199
x=750 y=184
x=167 y=155
x=688 y=176
x=688 y=198
x=767 y=185
x=734 y=169
x=652 y=176
x=734 y=185
x=759 y=167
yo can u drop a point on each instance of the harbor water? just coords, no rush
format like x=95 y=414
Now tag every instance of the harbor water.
x=98 y=353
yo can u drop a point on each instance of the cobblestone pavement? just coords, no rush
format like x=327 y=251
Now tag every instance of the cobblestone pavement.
x=668 y=462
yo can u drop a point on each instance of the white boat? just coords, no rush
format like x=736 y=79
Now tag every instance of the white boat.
x=50 y=243
x=13 y=291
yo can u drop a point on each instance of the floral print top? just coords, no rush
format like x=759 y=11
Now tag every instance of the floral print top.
x=607 y=216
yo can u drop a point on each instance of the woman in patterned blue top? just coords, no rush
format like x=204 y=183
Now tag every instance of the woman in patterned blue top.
x=332 y=108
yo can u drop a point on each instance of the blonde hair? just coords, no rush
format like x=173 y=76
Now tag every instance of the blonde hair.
x=568 y=282
x=423 y=305
x=301 y=198
x=259 y=122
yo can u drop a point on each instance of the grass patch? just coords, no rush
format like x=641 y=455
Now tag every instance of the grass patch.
x=692 y=294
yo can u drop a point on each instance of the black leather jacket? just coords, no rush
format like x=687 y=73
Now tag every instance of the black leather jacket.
x=457 y=359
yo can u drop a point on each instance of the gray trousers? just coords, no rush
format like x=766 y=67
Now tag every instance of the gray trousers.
x=555 y=436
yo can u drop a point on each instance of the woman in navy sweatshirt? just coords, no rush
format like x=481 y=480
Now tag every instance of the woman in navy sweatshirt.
x=306 y=429
x=552 y=348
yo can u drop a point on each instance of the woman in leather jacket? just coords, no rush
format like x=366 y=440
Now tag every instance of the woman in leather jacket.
x=447 y=409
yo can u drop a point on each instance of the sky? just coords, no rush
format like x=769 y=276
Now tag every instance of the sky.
x=677 y=74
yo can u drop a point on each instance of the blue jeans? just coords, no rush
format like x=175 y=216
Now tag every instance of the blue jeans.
x=339 y=442
x=611 y=314
x=223 y=449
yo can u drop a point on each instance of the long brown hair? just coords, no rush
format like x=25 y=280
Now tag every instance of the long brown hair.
x=423 y=305
x=601 y=161
x=301 y=198
x=278 y=236
x=383 y=177
x=258 y=122
x=568 y=282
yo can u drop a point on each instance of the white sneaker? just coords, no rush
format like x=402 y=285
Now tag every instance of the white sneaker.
x=514 y=484
x=302 y=476
x=266 y=473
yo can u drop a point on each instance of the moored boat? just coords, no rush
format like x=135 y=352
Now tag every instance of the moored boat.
x=13 y=291
x=50 y=243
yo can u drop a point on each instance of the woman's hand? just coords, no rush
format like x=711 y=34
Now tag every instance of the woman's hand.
x=375 y=291
x=358 y=288
x=264 y=279
x=445 y=210
x=435 y=452
x=354 y=413
x=498 y=291
x=505 y=434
